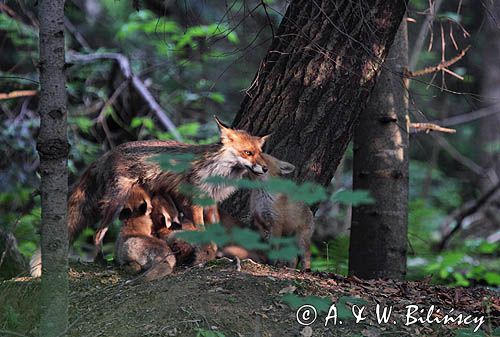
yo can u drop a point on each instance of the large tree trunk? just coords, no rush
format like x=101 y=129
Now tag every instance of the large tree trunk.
x=52 y=146
x=378 y=231
x=315 y=79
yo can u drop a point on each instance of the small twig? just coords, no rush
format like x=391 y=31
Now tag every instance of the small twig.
x=461 y=213
x=436 y=68
x=18 y=93
x=425 y=29
x=268 y=18
x=141 y=88
x=76 y=34
x=428 y=127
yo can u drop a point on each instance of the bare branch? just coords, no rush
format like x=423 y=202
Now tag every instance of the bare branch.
x=18 y=93
x=439 y=67
x=424 y=31
x=428 y=127
x=141 y=88
x=464 y=211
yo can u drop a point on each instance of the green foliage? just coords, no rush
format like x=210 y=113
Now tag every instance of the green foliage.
x=321 y=304
x=11 y=317
x=333 y=256
x=354 y=198
x=175 y=39
x=463 y=268
x=308 y=192
x=175 y=162
x=469 y=332
x=277 y=249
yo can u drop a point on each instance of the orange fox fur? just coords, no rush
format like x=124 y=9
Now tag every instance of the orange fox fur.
x=136 y=248
x=97 y=198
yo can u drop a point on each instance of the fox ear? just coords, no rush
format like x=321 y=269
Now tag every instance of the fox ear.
x=226 y=133
x=263 y=139
x=220 y=124
x=286 y=167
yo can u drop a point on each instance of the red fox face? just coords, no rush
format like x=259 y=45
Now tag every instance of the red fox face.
x=277 y=167
x=244 y=148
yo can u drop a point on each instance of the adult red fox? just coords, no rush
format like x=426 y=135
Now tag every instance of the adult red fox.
x=103 y=189
x=276 y=215
x=136 y=248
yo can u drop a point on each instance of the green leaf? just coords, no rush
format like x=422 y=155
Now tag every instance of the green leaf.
x=174 y=162
x=354 y=198
x=321 y=304
x=217 y=97
x=286 y=253
x=248 y=239
x=212 y=233
x=83 y=123
x=492 y=278
x=344 y=312
x=468 y=332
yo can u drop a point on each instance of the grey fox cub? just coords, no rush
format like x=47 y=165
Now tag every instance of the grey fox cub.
x=276 y=215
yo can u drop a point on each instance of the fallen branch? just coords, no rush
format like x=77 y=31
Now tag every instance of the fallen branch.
x=141 y=88
x=441 y=66
x=464 y=211
x=428 y=127
x=18 y=93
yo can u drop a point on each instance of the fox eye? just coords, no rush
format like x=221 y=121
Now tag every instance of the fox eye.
x=248 y=153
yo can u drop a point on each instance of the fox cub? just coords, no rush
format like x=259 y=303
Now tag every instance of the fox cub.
x=275 y=215
x=136 y=247
x=167 y=223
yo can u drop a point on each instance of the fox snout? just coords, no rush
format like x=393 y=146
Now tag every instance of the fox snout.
x=258 y=169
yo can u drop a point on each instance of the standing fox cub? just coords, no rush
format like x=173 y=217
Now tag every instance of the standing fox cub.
x=275 y=215
x=103 y=189
x=136 y=247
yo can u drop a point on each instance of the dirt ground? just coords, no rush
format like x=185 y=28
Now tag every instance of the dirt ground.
x=218 y=300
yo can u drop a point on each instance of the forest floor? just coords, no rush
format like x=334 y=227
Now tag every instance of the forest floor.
x=218 y=300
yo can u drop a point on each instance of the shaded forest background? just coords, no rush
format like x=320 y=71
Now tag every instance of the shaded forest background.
x=198 y=59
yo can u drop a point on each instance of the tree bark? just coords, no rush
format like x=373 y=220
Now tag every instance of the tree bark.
x=12 y=262
x=52 y=146
x=378 y=231
x=314 y=80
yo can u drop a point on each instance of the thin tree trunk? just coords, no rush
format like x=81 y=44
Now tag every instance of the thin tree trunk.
x=52 y=146
x=316 y=77
x=378 y=231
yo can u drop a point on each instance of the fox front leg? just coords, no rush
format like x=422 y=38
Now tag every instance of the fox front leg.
x=211 y=214
x=98 y=238
x=198 y=219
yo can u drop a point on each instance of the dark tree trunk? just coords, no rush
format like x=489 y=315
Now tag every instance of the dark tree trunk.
x=489 y=129
x=52 y=146
x=378 y=231
x=315 y=79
